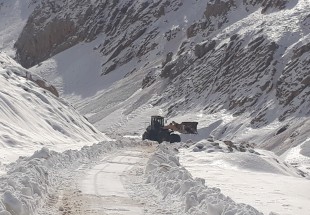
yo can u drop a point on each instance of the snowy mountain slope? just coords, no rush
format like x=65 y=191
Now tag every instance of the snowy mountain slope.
x=246 y=58
x=239 y=68
x=32 y=117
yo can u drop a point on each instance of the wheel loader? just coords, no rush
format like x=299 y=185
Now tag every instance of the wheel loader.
x=157 y=131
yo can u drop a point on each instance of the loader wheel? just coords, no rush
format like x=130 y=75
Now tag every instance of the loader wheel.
x=145 y=136
x=175 y=138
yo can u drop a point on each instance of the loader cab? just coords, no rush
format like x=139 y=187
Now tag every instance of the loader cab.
x=157 y=122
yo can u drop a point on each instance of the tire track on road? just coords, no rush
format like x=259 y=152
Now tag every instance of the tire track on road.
x=100 y=189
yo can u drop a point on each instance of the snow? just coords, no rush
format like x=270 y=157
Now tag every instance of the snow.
x=30 y=181
x=32 y=117
x=105 y=180
x=299 y=156
x=256 y=180
x=260 y=179
x=81 y=78
x=277 y=25
x=208 y=178
x=165 y=172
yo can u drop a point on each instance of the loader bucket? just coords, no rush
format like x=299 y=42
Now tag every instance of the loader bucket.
x=189 y=128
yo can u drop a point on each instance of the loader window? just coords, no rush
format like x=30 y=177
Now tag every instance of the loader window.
x=157 y=122
x=161 y=122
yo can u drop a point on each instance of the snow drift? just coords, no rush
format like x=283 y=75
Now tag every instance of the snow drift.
x=32 y=116
x=31 y=181
x=166 y=174
x=250 y=175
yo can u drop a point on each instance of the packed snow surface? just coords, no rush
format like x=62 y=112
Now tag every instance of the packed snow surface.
x=105 y=180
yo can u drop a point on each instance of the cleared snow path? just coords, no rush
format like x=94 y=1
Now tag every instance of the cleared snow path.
x=110 y=178
x=103 y=183
x=50 y=183
x=114 y=185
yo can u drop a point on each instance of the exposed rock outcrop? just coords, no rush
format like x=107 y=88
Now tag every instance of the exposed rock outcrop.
x=43 y=84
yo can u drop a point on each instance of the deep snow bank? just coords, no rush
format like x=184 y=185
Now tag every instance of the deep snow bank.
x=31 y=180
x=299 y=156
x=240 y=156
x=32 y=117
x=166 y=174
x=253 y=176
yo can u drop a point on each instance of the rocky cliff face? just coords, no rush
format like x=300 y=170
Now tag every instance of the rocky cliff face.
x=244 y=56
x=129 y=27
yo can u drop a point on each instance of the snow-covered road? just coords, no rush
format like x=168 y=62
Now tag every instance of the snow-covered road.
x=105 y=181
x=100 y=189
x=106 y=178
x=116 y=178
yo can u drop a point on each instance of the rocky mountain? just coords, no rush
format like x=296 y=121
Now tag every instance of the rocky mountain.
x=249 y=58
